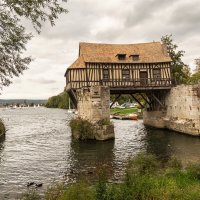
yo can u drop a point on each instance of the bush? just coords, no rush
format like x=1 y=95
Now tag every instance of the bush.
x=31 y=195
x=193 y=171
x=146 y=179
x=81 y=129
x=77 y=191
x=2 y=128
x=143 y=164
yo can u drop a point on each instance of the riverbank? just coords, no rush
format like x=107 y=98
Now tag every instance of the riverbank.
x=146 y=178
x=126 y=113
x=2 y=129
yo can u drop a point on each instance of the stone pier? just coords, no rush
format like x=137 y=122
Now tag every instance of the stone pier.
x=182 y=113
x=94 y=106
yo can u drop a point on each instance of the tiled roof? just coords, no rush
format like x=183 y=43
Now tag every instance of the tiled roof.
x=153 y=52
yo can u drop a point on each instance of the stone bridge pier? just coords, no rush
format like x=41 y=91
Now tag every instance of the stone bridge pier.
x=181 y=112
x=93 y=105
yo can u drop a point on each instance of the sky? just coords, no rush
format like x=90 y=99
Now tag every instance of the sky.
x=110 y=21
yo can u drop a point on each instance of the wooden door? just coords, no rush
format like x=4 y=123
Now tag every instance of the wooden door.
x=143 y=78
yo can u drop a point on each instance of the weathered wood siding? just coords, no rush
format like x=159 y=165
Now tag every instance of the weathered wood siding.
x=93 y=75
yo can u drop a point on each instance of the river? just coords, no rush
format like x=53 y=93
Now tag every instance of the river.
x=38 y=147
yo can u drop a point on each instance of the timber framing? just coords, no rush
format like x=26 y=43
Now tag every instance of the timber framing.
x=99 y=65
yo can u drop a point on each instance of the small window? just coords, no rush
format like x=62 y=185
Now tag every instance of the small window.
x=105 y=74
x=125 y=74
x=121 y=56
x=135 y=57
x=156 y=73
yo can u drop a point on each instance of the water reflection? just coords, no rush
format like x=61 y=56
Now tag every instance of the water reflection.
x=165 y=144
x=157 y=142
x=89 y=157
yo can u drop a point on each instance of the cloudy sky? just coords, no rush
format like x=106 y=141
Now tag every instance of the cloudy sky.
x=110 y=21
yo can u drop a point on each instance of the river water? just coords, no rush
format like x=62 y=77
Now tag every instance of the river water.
x=38 y=147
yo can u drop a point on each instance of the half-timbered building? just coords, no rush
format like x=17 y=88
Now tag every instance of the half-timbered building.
x=122 y=67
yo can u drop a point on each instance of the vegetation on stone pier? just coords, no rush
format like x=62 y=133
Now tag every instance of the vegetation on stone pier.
x=84 y=130
x=146 y=178
x=2 y=129
x=81 y=129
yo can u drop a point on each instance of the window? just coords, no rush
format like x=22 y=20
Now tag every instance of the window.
x=121 y=56
x=105 y=74
x=125 y=74
x=156 y=73
x=135 y=57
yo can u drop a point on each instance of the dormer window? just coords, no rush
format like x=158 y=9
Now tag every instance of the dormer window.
x=121 y=56
x=135 y=57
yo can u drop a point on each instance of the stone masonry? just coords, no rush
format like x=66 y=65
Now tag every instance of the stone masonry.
x=94 y=106
x=182 y=111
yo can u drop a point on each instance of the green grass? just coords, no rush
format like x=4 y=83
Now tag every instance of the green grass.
x=146 y=179
x=123 y=111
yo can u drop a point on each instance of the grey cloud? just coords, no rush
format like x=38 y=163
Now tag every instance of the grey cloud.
x=185 y=19
x=42 y=81
x=143 y=11
x=113 y=21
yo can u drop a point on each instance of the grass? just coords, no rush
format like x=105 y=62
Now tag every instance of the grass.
x=146 y=179
x=123 y=111
x=2 y=128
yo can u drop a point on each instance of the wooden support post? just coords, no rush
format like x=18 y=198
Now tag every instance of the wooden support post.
x=145 y=99
x=137 y=100
x=154 y=96
x=115 y=100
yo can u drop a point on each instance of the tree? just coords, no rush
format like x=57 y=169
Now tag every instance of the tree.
x=13 y=38
x=195 y=78
x=197 y=63
x=179 y=69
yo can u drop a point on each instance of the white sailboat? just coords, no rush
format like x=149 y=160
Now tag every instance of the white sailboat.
x=69 y=110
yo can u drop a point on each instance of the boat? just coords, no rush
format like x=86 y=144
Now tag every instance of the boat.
x=69 y=110
x=125 y=117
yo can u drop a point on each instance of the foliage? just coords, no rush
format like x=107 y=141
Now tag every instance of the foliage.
x=31 y=195
x=2 y=128
x=79 y=191
x=179 y=69
x=59 y=101
x=81 y=129
x=126 y=98
x=197 y=63
x=195 y=78
x=13 y=38
x=101 y=187
x=146 y=179
x=123 y=111
x=122 y=99
x=104 y=122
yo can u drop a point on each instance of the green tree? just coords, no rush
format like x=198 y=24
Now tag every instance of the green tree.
x=59 y=101
x=197 y=63
x=13 y=37
x=195 y=78
x=178 y=67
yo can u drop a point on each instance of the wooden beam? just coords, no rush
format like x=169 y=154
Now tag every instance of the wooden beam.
x=154 y=96
x=145 y=98
x=115 y=100
x=137 y=100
